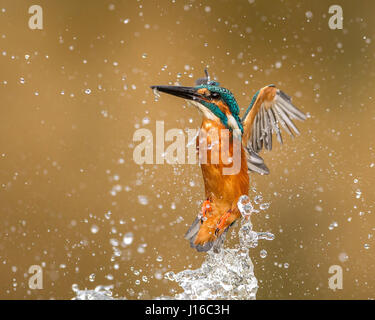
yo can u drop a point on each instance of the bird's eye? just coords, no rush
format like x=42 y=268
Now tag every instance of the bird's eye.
x=215 y=95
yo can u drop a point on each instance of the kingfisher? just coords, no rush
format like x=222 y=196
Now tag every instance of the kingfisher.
x=270 y=110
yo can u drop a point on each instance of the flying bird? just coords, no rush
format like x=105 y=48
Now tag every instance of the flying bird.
x=270 y=111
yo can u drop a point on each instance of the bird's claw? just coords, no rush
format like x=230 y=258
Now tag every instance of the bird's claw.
x=222 y=221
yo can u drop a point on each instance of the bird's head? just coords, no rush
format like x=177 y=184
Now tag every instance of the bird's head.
x=215 y=102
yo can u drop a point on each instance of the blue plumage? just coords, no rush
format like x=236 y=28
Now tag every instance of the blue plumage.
x=229 y=100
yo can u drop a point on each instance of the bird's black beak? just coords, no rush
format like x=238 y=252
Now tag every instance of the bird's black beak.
x=189 y=93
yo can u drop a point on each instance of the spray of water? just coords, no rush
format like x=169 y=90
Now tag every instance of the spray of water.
x=227 y=274
x=99 y=293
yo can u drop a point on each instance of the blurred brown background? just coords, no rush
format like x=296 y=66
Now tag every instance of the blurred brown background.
x=73 y=94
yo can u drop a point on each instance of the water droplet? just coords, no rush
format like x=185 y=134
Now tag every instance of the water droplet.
x=333 y=225
x=245 y=206
x=358 y=193
x=128 y=238
x=158 y=275
x=94 y=229
x=109 y=277
x=258 y=199
x=75 y=287
x=141 y=248
x=114 y=242
x=143 y=200
x=266 y=236
x=263 y=253
x=343 y=257
x=309 y=14
x=145 y=120
x=156 y=94
x=170 y=276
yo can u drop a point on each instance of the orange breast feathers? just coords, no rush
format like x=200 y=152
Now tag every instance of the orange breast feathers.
x=215 y=146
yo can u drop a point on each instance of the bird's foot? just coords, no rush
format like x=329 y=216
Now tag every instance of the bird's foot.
x=222 y=221
x=206 y=207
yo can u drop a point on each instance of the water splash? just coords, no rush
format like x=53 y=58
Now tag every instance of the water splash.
x=228 y=274
x=156 y=94
x=99 y=293
x=225 y=275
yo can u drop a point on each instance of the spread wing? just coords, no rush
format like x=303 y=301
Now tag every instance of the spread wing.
x=269 y=109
